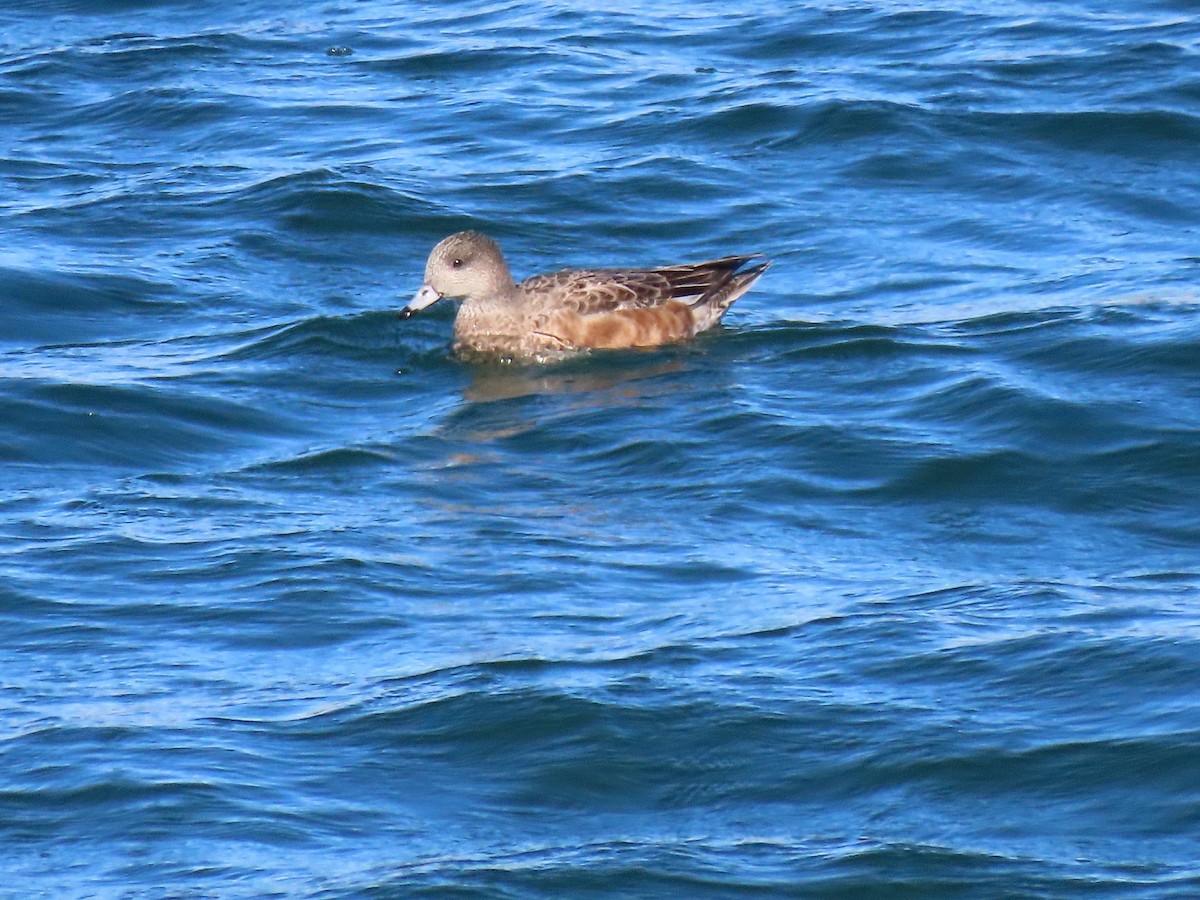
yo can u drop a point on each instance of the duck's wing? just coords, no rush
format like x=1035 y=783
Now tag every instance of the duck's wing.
x=636 y=307
x=596 y=291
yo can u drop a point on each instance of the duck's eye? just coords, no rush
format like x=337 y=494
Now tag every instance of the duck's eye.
x=457 y=263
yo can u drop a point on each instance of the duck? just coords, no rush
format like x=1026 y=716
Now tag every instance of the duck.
x=575 y=310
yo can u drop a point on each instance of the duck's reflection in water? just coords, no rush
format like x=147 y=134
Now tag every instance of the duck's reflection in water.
x=582 y=376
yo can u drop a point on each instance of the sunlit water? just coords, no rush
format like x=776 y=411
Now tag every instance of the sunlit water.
x=886 y=588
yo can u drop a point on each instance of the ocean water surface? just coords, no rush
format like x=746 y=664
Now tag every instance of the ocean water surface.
x=888 y=587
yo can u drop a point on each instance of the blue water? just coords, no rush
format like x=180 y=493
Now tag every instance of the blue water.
x=889 y=587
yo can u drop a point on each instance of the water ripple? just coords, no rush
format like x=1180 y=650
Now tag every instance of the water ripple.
x=884 y=586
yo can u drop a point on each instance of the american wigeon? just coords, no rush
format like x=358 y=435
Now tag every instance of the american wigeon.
x=575 y=309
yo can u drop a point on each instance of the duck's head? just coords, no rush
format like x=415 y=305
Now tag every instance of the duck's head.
x=466 y=264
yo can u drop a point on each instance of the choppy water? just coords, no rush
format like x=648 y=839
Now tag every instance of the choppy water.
x=887 y=588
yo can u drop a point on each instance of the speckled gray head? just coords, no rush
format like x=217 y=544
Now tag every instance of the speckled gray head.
x=466 y=264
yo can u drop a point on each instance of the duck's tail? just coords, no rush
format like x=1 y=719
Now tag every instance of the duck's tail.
x=725 y=281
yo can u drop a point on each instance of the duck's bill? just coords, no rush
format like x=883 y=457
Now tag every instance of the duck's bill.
x=426 y=296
